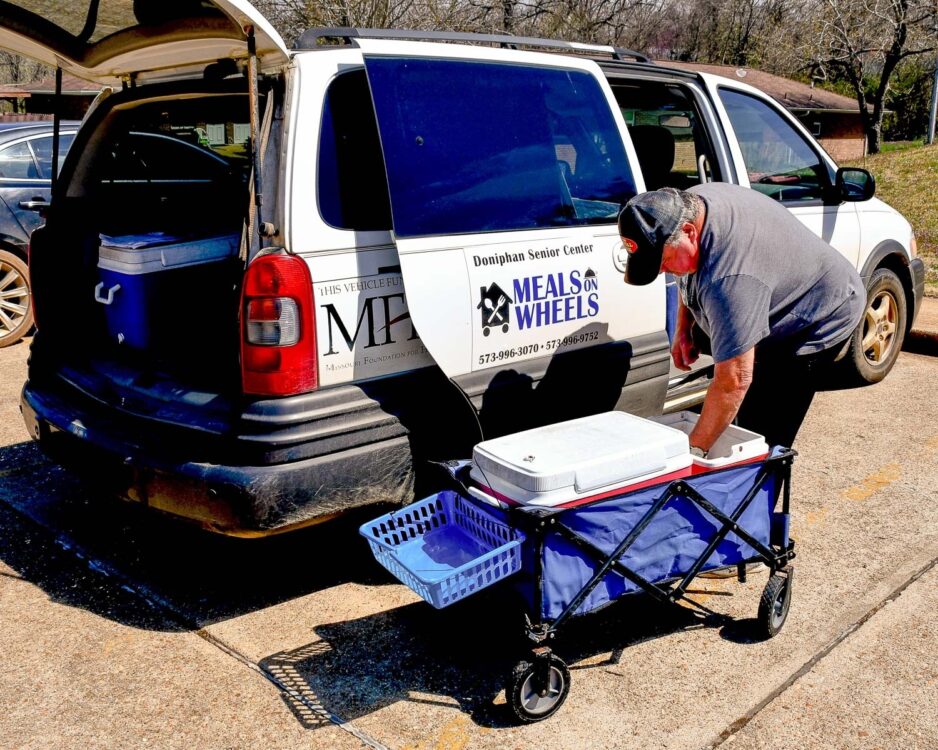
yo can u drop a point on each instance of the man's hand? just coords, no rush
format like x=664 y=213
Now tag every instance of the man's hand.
x=683 y=350
x=731 y=381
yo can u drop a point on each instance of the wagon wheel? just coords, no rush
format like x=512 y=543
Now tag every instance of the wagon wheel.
x=775 y=603
x=531 y=702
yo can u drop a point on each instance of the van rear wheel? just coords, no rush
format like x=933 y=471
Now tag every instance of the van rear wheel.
x=877 y=341
x=16 y=312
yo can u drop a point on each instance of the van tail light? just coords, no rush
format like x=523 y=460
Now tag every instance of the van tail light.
x=278 y=334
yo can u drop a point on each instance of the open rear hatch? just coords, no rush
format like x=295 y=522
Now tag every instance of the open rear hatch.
x=110 y=41
x=137 y=276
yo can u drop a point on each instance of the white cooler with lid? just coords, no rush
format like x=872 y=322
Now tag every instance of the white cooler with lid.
x=561 y=463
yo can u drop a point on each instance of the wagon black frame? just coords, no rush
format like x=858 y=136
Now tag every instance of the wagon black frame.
x=538 y=522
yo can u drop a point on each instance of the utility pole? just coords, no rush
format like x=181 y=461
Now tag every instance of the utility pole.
x=934 y=106
x=930 y=139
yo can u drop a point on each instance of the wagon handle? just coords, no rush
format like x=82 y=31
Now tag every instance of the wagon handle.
x=486 y=498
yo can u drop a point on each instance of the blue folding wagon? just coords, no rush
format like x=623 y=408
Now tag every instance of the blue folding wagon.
x=654 y=536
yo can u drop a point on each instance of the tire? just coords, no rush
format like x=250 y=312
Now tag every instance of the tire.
x=16 y=310
x=525 y=704
x=877 y=341
x=775 y=604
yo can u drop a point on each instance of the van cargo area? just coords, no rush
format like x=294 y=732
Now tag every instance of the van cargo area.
x=160 y=191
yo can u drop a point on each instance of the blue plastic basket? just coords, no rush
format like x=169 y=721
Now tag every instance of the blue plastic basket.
x=445 y=547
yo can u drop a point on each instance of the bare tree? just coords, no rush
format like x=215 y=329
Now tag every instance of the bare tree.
x=292 y=17
x=16 y=69
x=866 y=42
x=730 y=32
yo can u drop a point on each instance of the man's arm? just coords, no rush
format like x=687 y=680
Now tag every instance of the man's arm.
x=731 y=381
x=683 y=350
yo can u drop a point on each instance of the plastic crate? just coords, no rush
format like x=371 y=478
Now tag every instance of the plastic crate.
x=445 y=547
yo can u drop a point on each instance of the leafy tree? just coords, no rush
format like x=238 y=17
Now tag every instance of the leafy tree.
x=909 y=100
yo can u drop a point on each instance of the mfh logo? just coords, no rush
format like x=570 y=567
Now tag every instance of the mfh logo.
x=495 y=306
x=375 y=323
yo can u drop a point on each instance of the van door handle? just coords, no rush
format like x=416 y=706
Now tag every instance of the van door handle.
x=36 y=204
x=110 y=293
x=619 y=256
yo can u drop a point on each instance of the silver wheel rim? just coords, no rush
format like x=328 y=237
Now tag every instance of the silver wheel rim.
x=778 y=607
x=880 y=325
x=535 y=704
x=14 y=299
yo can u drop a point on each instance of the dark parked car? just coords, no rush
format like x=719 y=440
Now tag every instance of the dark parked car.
x=25 y=179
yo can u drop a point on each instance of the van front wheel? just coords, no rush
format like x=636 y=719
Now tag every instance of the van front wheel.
x=16 y=312
x=877 y=341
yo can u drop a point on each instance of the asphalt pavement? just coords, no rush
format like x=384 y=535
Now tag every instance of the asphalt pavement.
x=123 y=629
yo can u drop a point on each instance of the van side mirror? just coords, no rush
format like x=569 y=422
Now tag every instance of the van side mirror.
x=855 y=184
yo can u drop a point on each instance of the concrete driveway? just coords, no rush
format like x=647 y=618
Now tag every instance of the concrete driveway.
x=122 y=629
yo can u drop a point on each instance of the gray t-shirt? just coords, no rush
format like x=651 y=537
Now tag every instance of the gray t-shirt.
x=765 y=278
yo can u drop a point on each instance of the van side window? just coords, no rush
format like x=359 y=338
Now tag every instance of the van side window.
x=484 y=147
x=352 y=187
x=669 y=137
x=779 y=161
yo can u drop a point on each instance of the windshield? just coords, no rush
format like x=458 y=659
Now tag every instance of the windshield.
x=180 y=166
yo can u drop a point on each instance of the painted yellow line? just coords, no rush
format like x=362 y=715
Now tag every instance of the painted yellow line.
x=814 y=517
x=874 y=482
x=456 y=734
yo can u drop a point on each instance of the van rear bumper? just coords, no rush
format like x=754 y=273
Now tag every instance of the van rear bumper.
x=233 y=500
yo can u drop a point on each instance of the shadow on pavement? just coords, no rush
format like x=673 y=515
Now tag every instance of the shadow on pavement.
x=458 y=657
x=203 y=578
x=921 y=343
x=36 y=558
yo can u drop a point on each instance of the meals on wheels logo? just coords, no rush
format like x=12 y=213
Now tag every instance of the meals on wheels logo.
x=495 y=306
x=540 y=300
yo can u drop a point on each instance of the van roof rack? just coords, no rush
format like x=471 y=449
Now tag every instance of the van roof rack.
x=310 y=38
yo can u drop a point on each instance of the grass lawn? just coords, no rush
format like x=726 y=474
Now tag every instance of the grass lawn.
x=907 y=179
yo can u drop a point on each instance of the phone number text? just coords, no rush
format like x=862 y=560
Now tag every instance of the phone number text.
x=528 y=349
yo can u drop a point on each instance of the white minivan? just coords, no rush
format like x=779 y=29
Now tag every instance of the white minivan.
x=274 y=285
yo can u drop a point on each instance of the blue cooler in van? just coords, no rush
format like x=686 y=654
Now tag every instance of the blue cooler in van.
x=139 y=280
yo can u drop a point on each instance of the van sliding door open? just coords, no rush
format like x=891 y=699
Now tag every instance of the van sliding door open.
x=505 y=181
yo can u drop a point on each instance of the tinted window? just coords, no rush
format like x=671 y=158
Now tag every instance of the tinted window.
x=16 y=162
x=158 y=170
x=170 y=139
x=352 y=186
x=148 y=157
x=42 y=148
x=477 y=147
x=779 y=161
